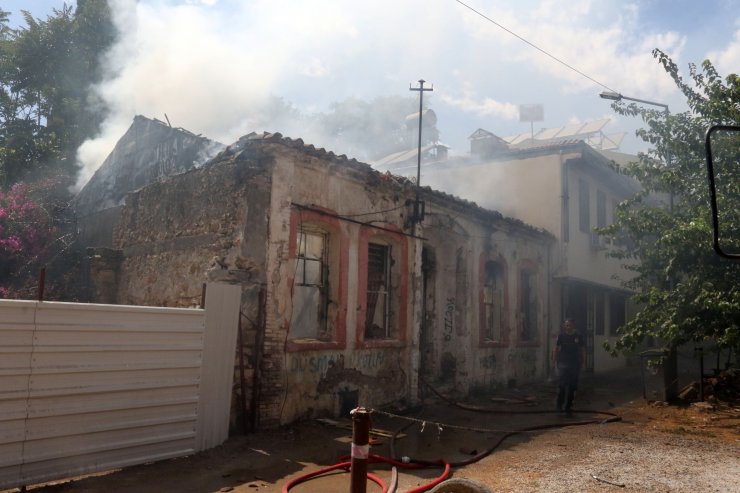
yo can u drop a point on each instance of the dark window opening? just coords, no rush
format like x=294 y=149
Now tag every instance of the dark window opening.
x=529 y=305
x=616 y=313
x=378 y=315
x=493 y=302
x=584 y=203
x=600 y=209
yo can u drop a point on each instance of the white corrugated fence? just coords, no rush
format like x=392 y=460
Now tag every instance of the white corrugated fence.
x=85 y=388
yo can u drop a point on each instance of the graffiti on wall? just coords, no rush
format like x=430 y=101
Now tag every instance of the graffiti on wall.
x=319 y=364
x=524 y=364
x=449 y=319
x=488 y=362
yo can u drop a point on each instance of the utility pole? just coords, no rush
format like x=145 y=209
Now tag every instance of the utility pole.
x=418 y=206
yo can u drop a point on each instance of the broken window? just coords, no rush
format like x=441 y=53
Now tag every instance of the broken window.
x=493 y=302
x=378 y=314
x=311 y=286
x=584 y=207
x=528 y=283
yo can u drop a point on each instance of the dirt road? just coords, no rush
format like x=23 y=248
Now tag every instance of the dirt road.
x=653 y=448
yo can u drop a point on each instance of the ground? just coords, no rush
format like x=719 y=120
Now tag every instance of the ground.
x=653 y=448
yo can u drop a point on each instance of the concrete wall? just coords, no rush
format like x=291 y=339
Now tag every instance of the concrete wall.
x=585 y=260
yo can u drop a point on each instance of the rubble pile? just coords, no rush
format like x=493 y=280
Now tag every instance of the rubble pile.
x=724 y=387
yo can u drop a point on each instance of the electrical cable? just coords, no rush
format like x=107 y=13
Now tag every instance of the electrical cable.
x=535 y=46
x=415 y=463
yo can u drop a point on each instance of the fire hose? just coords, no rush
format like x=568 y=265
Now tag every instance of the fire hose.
x=374 y=459
x=410 y=463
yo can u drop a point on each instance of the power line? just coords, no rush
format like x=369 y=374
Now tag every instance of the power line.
x=535 y=46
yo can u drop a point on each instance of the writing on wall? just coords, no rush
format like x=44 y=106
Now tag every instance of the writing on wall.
x=449 y=319
x=488 y=362
x=318 y=364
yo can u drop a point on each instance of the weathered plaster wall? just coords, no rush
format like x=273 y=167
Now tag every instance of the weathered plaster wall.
x=461 y=244
x=232 y=221
x=309 y=379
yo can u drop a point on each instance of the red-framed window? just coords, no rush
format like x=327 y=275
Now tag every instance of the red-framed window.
x=493 y=302
x=383 y=288
x=319 y=258
x=530 y=308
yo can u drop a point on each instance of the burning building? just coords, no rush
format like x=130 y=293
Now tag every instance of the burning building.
x=348 y=296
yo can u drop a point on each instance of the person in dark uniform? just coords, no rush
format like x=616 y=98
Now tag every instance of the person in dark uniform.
x=569 y=356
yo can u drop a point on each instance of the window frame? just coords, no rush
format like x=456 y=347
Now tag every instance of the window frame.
x=336 y=266
x=399 y=282
x=485 y=341
x=531 y=269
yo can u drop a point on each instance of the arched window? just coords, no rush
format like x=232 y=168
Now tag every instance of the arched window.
x=528 y=304
x=493 y=302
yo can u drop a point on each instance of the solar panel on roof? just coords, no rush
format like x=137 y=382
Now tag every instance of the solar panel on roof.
x=594 y=126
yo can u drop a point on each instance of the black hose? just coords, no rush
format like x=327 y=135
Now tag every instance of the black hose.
x=612 y=418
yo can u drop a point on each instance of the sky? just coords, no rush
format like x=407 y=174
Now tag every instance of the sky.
x=210 y=65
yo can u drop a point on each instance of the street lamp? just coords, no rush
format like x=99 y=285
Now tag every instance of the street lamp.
x=615 y=96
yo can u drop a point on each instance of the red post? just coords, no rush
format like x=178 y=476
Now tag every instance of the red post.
x=360 y=449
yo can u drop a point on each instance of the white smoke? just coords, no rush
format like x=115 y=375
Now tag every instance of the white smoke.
x=215 y=67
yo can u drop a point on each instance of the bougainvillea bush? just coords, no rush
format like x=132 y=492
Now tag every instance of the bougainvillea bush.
x=27 y=232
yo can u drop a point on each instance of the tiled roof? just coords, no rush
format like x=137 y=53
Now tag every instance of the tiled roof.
x=399 y=181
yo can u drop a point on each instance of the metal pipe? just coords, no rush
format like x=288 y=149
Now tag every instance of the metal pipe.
x=242 y=382
x=259 y=342
x=701 y=374
x=42 y=283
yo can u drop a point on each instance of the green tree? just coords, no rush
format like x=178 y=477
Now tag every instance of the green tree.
x=684 y=291
x=47 y=109
x=47 y=70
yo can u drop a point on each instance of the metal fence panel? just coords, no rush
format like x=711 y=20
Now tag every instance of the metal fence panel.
x=86 y=388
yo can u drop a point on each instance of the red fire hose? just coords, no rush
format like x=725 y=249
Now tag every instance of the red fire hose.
x=374 y=459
